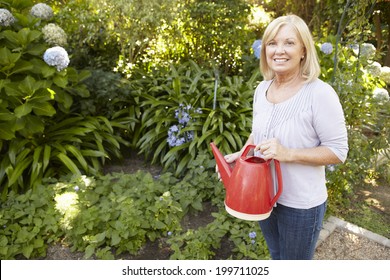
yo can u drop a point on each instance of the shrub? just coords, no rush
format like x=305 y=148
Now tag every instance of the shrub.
x=195 y=107
x=40 y=132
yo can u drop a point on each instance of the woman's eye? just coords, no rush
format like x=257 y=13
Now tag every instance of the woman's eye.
x=271 y=43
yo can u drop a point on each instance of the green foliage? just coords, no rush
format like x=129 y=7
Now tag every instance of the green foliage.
x=162 y=31
x=201 y=244
x=189 y=86
x=115 y=98
x=108 y=215
x=41 y=131
x=365 y=118
x=28 y=223
x=118 y=211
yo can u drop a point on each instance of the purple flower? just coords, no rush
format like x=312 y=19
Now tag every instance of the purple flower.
x=252 y=235
x=183 y=115
x=327 y=48
x=76 y=188
x=169 y=233
x=256 y=47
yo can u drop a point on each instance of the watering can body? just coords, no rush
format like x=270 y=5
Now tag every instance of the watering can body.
x=250 y=191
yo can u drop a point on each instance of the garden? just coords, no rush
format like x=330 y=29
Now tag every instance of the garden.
x=88 y=84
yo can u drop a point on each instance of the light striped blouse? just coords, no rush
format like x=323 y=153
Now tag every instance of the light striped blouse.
x=312 y=117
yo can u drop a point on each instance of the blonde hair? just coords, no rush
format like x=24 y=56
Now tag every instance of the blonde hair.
x=310 y=67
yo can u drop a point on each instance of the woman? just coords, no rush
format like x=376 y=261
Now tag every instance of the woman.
x=298 y=120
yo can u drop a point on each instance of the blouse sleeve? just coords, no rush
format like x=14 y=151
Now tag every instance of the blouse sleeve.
x=329 y=121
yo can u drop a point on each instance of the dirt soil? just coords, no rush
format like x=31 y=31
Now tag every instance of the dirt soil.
x=340 y=245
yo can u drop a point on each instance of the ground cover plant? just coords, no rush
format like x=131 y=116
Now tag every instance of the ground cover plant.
x=76 y=91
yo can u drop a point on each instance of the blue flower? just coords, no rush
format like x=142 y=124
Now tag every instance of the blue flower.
x=252 y=235
x=327 y=48
x=256 y=46
x=169 y=233
x=56 y=56
x=175 y=135
x=76 y=188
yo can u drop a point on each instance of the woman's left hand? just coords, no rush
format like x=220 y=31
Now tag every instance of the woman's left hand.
x=272 y=149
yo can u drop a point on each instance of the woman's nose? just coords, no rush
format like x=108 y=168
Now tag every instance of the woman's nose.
x=279 y=48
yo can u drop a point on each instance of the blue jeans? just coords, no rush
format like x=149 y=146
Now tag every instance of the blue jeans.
x=292 y=234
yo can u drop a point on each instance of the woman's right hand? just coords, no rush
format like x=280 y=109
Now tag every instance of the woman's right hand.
x=230 y=158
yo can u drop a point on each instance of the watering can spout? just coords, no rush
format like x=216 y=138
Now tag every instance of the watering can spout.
x=225 y=170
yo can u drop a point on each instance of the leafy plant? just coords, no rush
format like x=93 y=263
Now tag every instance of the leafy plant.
x=201 y=244
x=41 y=134
x=28 y=223
x=187 y=89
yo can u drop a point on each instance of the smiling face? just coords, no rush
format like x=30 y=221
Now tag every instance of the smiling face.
x=284 y=52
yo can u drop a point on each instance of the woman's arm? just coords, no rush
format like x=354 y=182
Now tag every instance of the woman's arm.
x=320 y=155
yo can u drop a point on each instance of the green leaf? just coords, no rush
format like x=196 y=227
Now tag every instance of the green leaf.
x=7 y=58
x=159 y=225
x=92 y=153
x=7 y=132
x=43 y=108
x=21 y=66
x=60 y=81
x=78 y=155
x=28 y=86
x=36 y=49
x=69 y=163
x=32 y=124
x=27 y=250
x=100 y=237
x=89 y=251
x=115 y=238
x=19 y=169
x=23 y=110
x=46 y=156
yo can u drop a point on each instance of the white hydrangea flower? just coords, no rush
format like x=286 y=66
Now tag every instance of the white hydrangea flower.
x=381 y=94
x=367 y=50
x=6 y=18
x=374 y=69
x=385 y=74
x=56 y=56
x=42 y=11
x=54 y=35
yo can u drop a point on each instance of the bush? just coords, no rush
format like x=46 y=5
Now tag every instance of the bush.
x=180 y=117
x=41 y=134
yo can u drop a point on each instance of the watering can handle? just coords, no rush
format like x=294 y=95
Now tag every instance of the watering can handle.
x=280 y=182
x=246 y=151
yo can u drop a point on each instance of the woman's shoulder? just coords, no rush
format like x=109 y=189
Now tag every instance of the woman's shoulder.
x=321 y=89
x=262 y=88
x=323 y=93
x=264 y=84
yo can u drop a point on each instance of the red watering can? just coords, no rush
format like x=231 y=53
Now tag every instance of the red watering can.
x=250 y=192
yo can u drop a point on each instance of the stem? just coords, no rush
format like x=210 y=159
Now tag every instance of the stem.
x=339 y=31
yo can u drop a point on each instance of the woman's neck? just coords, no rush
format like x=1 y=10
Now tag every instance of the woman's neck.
x=283 y=81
